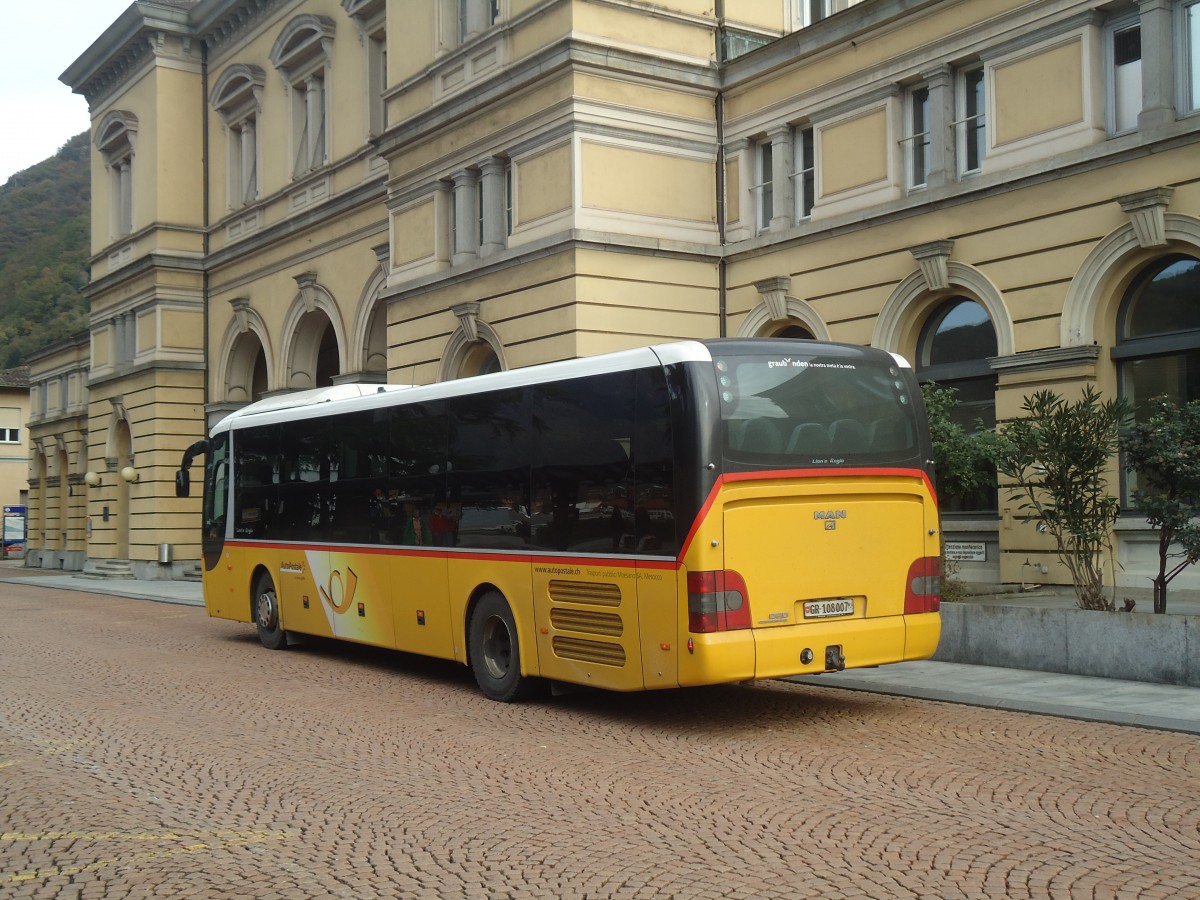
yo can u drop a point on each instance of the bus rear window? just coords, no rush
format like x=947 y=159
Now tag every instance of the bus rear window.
x=797 y=410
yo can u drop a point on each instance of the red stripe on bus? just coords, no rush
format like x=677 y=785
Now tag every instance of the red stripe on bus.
x=442 y=553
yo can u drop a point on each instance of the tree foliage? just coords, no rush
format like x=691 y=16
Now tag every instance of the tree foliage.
x=962 y=459
x=44 y=240
x=1057 y=457
x=962 y=462
x=1164 y=452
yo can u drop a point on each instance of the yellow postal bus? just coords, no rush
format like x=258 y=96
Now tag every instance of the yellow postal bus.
x=684 y=514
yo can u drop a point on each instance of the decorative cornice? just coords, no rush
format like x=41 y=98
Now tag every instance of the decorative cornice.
x=115 y=72
x=235 y=19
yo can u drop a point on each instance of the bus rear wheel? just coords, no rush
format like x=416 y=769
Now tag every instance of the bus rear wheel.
x=266 y=614
x=496 y=651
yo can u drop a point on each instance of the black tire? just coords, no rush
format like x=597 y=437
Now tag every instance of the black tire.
x=496 y=651
x=265 y=606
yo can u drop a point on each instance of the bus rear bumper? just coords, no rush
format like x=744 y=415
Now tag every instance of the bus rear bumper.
x=863 y=642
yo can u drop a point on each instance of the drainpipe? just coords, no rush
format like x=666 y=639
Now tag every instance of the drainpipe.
x=206 y=242
x=722 y=275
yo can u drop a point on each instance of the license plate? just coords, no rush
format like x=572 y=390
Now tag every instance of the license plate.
x=825 y=609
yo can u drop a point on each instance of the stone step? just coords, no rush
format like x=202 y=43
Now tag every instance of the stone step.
x=107 y=568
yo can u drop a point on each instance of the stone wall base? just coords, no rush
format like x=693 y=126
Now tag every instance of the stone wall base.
x=1164 y=649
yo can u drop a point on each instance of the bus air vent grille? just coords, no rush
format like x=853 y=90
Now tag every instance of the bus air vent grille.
x=600 y=652
x=585 y=592
x=587 y=621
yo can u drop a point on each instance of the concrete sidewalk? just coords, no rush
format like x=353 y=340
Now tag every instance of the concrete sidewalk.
x=187 y=593
x=1163 y=706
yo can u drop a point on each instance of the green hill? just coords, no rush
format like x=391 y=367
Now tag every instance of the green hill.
x=44 y=241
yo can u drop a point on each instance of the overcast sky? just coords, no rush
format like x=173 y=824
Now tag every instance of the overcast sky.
x=38 y=41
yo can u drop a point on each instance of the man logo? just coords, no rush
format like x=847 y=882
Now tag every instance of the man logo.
x=829 y=517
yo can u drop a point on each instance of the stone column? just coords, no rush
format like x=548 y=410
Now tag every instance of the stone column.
x=466 y=216
x=494 y=212
x=1158 y=64
x=783 y=212
x=943 y=143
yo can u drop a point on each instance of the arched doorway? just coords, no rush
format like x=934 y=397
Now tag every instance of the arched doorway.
x=247 y=378
x=479 y=358
x=314 y=355
x=797 y=332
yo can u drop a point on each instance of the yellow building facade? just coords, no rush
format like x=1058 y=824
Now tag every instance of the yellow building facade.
x=295 y=193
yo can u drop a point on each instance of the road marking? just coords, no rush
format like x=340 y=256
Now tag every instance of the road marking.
x=227 y=839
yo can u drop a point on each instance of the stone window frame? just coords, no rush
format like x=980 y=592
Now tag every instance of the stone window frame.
x=762 y=188
x=913 y=138
x=237 y=98
x=116 y=139
x=804 y=170
x=303 y=55
x=965 y=121
x=1187 y=54
x=1115 y=124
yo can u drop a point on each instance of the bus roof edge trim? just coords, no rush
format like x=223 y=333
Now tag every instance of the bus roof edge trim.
x=301 y=404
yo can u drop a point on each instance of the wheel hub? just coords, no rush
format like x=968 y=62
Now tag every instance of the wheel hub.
x=497 y=647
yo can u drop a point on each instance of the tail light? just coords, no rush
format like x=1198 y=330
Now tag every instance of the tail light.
x=717 y=601
x=922 y=593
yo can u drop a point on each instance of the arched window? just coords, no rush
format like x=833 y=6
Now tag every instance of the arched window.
x=1158 y=332
x=952 y=351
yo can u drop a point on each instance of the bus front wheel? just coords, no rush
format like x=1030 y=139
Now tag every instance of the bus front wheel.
x=266 y=614
x=495 y=650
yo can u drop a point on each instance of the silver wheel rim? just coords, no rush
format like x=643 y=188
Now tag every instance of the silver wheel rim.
x=266 y=610
x=497 y=647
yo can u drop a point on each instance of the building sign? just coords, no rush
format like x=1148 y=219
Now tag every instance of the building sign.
x=966 y=551
x=14 y=530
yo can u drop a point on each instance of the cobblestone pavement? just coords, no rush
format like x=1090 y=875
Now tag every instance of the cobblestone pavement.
x=148 y=751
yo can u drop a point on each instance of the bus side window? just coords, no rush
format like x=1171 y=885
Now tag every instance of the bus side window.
x=305 y=499
x=255 y=499
x=653 y=467
x=490 y=449
x=358 y=449
x=581 y=469
x=416 y=474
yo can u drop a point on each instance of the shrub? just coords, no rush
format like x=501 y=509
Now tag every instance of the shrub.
x=1057 y=457
x=1164 y=452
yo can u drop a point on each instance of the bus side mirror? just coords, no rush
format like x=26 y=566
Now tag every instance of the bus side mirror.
x=183 y=483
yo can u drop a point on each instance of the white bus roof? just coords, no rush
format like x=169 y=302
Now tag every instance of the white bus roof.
x=352 y=397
